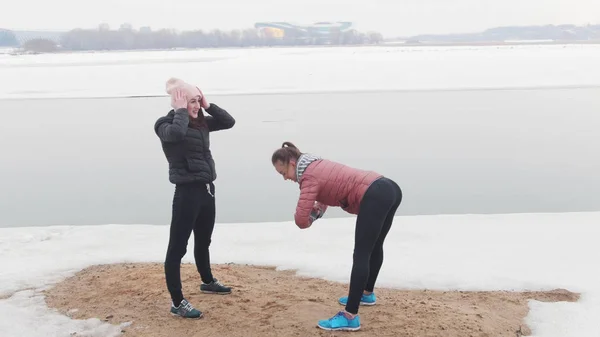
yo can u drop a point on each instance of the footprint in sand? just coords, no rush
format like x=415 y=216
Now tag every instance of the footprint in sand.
x=273 y=305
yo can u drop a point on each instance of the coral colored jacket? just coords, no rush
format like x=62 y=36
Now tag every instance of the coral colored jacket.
x=330 y=183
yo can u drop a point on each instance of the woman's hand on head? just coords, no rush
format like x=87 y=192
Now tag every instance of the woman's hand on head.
x=179 y=99
x=203 y=101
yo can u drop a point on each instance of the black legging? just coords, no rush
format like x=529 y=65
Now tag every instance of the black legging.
x=193 y=210
x=375 y=217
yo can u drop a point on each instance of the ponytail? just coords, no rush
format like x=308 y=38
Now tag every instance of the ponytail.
x=286 y=153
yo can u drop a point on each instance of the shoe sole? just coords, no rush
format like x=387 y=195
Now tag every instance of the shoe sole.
x=368 y=304
x=338 y=329
x=215 y=292
x=179 y=316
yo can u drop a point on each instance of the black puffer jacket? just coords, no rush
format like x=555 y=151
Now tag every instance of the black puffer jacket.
x=188 y=149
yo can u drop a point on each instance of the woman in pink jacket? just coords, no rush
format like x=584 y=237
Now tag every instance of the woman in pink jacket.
x=373 y=197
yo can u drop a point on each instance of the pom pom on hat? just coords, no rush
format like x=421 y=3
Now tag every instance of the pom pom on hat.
x=190 y=90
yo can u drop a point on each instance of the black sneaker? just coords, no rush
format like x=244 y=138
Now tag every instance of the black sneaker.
x=215 y=287
x=185 y=310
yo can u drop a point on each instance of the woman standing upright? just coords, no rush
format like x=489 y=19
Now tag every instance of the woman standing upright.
x=184 y=135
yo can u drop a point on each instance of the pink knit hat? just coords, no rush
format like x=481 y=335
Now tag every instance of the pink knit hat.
x=190 y=90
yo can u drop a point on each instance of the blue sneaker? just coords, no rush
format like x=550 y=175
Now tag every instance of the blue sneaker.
x=364 y=299
x=340 y=322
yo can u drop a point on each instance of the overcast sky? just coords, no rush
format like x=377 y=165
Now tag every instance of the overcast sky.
x=390 y=17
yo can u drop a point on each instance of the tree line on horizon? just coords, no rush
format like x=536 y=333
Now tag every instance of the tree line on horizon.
x=127 y=38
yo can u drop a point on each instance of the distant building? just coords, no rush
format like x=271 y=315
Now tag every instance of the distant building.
x=24 y=36
x=319 y=32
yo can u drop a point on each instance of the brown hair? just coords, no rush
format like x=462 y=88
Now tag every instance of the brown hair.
x=286 y=153
x=197 y=123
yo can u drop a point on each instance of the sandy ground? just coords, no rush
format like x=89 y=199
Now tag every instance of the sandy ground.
x=266 y=302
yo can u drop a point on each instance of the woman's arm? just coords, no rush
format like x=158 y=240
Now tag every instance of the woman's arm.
x=306 y=201
x=219 y=119
x=173 y=131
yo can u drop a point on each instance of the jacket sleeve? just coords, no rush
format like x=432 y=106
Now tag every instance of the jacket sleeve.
x=219 y=119
x=173 y=131
x=308 y=195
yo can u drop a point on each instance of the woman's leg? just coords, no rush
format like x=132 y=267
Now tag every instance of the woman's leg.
x=185 y=208
x=374 y=209
x=377 y=254
x=203 y=229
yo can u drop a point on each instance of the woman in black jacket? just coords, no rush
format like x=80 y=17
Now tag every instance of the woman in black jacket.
x=184 y=135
